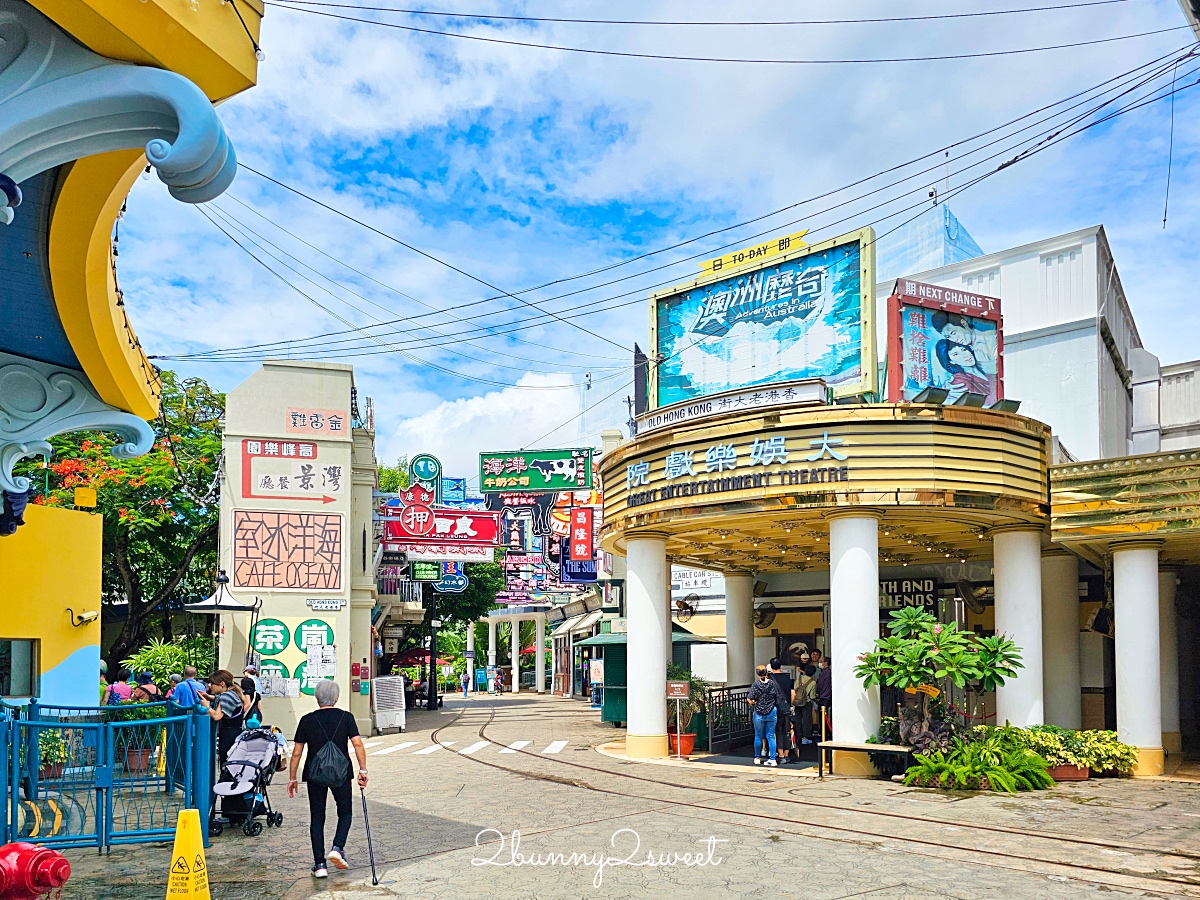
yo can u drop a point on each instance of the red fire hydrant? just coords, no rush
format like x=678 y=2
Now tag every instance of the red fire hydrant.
x=28 y=871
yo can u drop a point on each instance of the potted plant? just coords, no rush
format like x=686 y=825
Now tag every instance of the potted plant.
x=135 y=743
x=53 y=751
x=1063 y=751
x=924 y=657
x=683 y=741
x=1105 y=755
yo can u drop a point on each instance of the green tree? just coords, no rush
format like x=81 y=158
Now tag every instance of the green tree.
x=394 y=478
x=456 y=610
x=160 y=510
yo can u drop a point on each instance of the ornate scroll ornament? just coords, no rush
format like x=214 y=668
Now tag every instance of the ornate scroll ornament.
x=39 y=400
x=60 y=102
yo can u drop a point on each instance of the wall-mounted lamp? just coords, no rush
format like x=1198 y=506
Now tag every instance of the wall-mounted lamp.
x=932 y=395
x=1009 y=406
x=970 y=398
x=83 y=618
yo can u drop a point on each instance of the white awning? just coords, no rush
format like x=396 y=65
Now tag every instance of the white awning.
x=586 y=621
x=566 y=626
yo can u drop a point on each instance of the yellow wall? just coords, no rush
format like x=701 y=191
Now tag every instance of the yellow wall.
x=51 y=563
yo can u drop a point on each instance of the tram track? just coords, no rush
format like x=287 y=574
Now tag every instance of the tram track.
x=1110 y=876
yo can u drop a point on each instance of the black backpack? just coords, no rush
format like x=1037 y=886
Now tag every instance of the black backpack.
x=329 y=768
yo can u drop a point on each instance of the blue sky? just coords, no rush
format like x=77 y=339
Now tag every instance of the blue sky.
x=523 y=166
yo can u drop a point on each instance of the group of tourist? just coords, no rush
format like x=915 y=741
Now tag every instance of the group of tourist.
x=784 y=706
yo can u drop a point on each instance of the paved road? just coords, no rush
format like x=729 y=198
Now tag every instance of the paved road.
x=508 y=798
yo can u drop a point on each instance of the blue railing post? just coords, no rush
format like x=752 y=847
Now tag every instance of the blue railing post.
x=202 y=765
x=7 y=738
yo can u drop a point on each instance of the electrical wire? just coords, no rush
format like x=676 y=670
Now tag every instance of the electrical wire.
x=628 y=54
x=387 y=348
x=759 y=218
x=429 y=256
x=258 y=241
x=1088 y=112
x=493 y=17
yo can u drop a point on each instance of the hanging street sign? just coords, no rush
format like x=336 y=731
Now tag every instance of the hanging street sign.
x=459 y=526
x=453 y=580
x=425 y=571
x=436 y=551
x=535 y=470
x=425 y=468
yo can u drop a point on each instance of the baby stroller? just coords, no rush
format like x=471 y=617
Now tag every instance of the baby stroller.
x=255 y=756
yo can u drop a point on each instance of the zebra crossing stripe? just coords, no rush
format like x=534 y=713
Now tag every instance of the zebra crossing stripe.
x=474 y=747
x=555 y=747
x=515 y=746
x=434 y=749
x=394 y=748
x=370 y=744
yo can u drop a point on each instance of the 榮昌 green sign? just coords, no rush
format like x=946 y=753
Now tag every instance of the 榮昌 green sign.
x=426 y=571
x=537 y=471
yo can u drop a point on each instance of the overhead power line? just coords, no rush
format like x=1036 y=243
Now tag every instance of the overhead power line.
x=584 y=310
x=629 y=54
x=441 y=14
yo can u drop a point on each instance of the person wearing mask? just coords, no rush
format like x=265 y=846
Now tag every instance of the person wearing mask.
x=187 y=692
x=805 y=696
x=146 y=691
x=816 y=657
x=328 y=725
x=825 y=694
x=120 y=690
x=766 y=699
x=783 y=723
x=227 y=706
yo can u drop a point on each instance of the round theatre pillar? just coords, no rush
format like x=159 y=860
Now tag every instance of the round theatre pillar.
x=1168 y=639
x=539 y=655
x=1017 y=560
x=853 y=628
x=491 y=682
x=648 y=621
x=515 y=644
x=739 y=628
x=471 y=656
x=1060 y=639
x=1135 y=611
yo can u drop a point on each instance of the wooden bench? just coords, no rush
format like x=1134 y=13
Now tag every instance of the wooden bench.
x=827 y=747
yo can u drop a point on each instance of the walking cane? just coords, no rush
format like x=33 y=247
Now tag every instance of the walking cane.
x=370 y=849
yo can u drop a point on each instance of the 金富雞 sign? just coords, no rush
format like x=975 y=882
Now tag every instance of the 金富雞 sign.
x=944 y=338
x=581 y=547
x=457 y=526
x=536 y=470
x=810 y=312
x=319 y=422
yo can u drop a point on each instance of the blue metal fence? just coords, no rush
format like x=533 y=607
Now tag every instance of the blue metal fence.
x=94 y=777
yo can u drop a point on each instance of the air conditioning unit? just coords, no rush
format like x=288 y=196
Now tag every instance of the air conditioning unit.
x=387 y=696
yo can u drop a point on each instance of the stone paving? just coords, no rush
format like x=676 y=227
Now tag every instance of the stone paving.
x=506 y=824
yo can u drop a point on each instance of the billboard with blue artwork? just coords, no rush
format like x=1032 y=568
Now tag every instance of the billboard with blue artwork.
x=808 y=313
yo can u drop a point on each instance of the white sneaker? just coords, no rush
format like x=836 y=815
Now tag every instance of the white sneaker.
x=771 y=762
x=320 y=872
x=338 y=859
x=758 y=760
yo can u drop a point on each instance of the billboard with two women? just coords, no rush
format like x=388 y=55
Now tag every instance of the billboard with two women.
x=944 y=338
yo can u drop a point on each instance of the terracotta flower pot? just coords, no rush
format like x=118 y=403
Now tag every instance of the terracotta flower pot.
x=52 y=770
x=681 y=744
x=137 y=760
x=1068 y=773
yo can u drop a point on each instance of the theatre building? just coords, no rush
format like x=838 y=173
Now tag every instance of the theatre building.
x=836 y=448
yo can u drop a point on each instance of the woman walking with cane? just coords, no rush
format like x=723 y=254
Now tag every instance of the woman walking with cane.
x=326 y=733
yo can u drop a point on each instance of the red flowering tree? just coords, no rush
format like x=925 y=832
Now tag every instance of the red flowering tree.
x=160 y=510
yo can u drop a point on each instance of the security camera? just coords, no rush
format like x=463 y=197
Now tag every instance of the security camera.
x=83 y=618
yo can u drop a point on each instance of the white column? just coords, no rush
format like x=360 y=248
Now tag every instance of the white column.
x=1017 y=560
x=853 y=622
x=471 y=657
x=1168 y=641
x=1135 y=611
x=646 y=614
x=516 y=655
x=539 y=655
x=670 y=607
x=491 y=652
x=1060 y=639
x=739 y=628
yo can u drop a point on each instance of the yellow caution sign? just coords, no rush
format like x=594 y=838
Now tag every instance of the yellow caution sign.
x=188 y=877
